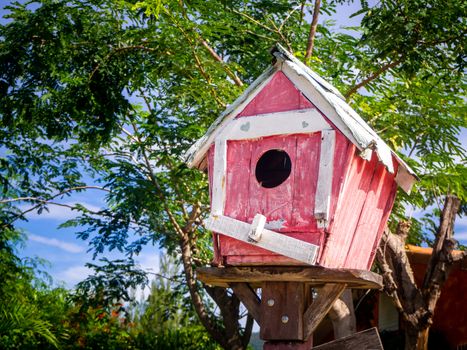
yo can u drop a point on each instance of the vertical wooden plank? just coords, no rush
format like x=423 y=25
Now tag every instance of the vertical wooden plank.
x=237 y=193
x=325 y=176
x=306 y=178
x=282 y=307
x=387 y=211
x=238 y=179
x=218 y=180
x=217 y=260
x=277 y=96
x=348 y=211
x=370 y=219
x=343 y=155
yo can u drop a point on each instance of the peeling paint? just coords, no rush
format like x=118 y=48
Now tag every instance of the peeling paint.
x=275 y=225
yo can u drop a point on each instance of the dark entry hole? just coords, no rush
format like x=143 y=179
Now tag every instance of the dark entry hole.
x=273 y=168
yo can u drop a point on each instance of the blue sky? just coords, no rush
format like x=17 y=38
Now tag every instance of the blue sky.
x=67 y=255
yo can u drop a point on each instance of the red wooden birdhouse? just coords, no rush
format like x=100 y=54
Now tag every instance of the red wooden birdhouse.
x=296 y=175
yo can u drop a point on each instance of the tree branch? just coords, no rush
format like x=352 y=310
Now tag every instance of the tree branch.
x=258 y=23
x=213 y=54
x=372 y=77
x=312 y=34
x=42 y=201
x=196 y=299
x=441 y=259
x=398 y=277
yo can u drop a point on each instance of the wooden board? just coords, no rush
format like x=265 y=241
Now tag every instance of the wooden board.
x=270 y=240
x=366 y=340
x=282 y=307
x=370 y=219
x=278 y=95
x=312 y=275
x=349 y=207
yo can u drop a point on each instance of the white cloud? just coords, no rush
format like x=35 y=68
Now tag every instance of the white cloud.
x=57 y=212
x=149 y=261
x=74 y=274
x=53 y=242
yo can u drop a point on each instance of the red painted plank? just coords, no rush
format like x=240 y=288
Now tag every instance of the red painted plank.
x=387 y=211
x=370 y=219
x=343 y=155
x=239 y=172
x=278 y=95
x=306 y=179
x=348 y=211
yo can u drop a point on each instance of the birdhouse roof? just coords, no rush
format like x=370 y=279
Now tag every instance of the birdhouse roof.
x=326 y=98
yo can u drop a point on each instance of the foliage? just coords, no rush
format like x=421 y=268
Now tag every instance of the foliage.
x=30 y=313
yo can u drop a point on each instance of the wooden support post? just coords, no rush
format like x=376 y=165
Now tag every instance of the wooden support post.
x=327 y=295
x=282 y=308
x=249 y=298
x=285 y=312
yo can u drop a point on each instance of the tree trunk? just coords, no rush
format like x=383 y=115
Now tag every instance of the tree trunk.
x=229 y=336
x=416 y=339
x=343 y=316
x=416 y=304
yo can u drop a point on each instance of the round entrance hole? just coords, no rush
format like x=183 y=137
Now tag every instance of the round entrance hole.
x=273 y=168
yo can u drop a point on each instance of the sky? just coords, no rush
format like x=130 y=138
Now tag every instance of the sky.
x=67 y=255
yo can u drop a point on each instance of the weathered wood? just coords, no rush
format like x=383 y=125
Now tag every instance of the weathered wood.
x=282 y=307
x=218 y=187
x=270 y=240
x=346 y=218
x=280 y=123
x=278 y=95
x=249 y=298
x=315 y=313
x=195 y=155
x=288 y=207
x=326 y=171
x=359 y=251
x=366 y=340
x=285 y=85
x=311 y=275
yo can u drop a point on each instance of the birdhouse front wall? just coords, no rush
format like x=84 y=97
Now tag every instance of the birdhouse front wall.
x=289 y=207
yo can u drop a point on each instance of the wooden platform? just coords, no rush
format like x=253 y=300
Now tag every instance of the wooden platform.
x=314 y=276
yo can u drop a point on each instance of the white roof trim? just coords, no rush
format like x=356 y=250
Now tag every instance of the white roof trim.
x=326 y=98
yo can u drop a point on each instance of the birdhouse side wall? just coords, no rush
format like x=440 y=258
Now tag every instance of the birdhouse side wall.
x=362 y=212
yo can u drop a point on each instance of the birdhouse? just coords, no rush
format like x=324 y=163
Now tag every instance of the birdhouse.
x=296 y=175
